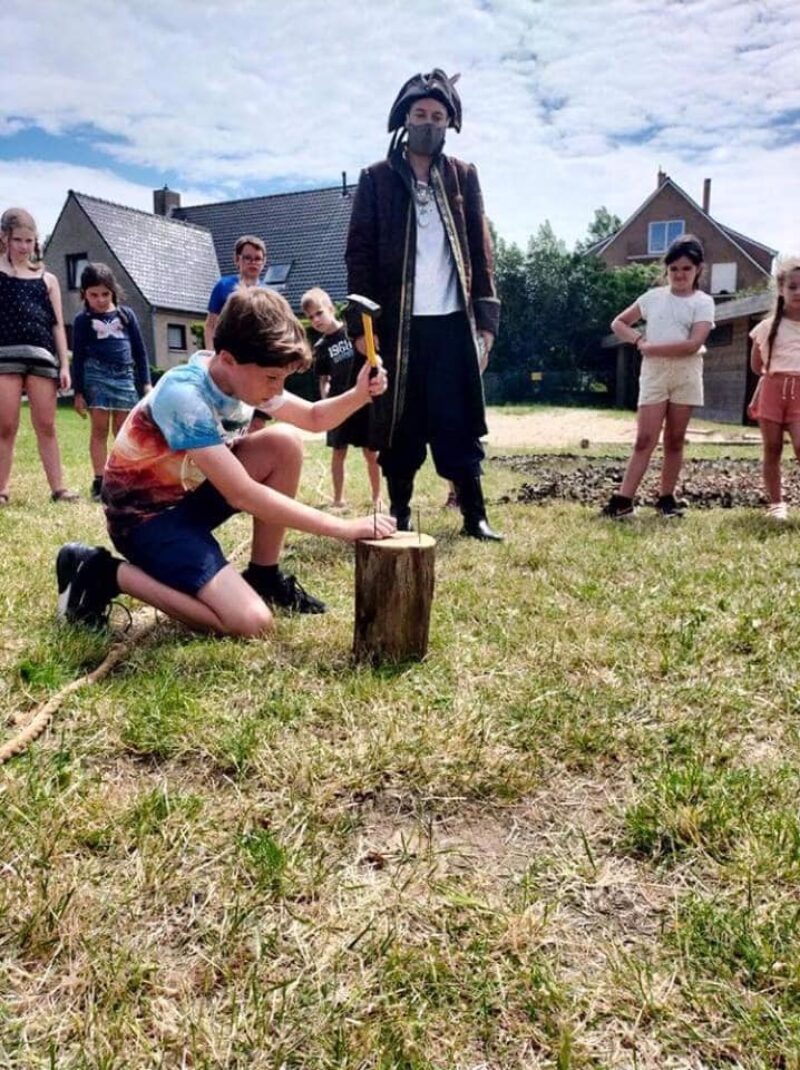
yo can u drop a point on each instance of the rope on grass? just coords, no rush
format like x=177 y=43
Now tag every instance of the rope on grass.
x=36 y=721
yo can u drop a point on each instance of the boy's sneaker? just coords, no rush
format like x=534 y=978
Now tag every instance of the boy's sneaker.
x=86 y=584
x=284 y=592
x=618 y=508
x=96 y=489
x=669 y=508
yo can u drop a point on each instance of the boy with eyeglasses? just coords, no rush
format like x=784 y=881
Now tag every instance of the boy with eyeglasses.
x=250 y=258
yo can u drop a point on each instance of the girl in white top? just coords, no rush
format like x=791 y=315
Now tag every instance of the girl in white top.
x=775 y=356
x=678 y=319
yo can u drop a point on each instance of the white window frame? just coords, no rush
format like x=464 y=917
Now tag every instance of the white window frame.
x=655 y=250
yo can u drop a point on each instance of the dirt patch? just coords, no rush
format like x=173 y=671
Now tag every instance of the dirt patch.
x=507 y=430
x=726 y=483
x=569 y=427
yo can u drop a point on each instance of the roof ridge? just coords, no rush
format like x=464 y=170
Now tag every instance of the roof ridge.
x=137 y=211
x=270 y=196
x=730 y=234
x=745 y=237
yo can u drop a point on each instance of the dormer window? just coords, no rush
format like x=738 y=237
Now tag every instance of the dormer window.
x=277 y=274
x=661 y=235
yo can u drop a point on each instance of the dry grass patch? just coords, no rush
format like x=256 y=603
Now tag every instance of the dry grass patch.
x=568 y=839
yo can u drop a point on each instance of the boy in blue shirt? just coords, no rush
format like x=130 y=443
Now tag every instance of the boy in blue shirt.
x=182 y=464
x=250 y=258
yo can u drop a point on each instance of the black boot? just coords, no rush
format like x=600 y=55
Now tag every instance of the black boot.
x=400 y=491
x=473 y=509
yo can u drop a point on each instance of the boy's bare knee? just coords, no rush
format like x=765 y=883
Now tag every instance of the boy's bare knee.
x=289 y=439
x=254 y=620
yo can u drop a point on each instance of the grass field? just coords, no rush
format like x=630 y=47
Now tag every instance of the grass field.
x=569 y=839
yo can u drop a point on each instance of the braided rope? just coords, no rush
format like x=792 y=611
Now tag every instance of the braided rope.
x=36 y=721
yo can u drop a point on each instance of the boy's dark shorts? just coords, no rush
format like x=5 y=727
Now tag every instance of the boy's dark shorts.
x=177 y=547
x=355 y=431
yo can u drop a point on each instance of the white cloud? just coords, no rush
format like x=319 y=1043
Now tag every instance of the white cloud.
x=568 y=105
x=41 y=187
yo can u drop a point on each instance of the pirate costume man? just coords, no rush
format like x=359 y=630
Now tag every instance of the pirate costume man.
x=419 y=246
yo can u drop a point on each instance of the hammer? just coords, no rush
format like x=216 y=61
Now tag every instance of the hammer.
x=369 y=311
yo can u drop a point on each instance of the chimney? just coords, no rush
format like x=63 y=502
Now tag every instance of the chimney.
x=706 y=195
x=344 y=183
x=165 y=201
x=661 y=178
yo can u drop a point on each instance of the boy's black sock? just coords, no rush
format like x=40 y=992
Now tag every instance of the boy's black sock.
x=105 y=568
x=261 y=577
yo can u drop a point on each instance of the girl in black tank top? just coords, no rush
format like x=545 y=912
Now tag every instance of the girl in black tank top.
x=33 y=349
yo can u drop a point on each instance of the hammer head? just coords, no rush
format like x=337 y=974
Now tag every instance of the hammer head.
x=357 y=303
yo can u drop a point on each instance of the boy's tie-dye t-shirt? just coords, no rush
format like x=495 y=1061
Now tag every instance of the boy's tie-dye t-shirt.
x=148 y=469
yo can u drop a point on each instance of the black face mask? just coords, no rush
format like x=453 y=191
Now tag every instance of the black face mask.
x=426 y=139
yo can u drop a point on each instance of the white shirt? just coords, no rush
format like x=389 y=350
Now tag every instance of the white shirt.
x=670 y=317
x=435 y=279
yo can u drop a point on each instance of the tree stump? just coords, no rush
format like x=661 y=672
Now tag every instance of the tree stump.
x=394 y=592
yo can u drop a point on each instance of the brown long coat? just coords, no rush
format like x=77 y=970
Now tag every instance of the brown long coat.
x=381 y=249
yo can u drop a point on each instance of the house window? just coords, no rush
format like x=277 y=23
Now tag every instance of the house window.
x=723 y=278
x=176 y=338
x=277 y=274
x=660 y=235
x=76 y=262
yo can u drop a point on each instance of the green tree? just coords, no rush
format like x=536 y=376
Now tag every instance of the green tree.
x=557 y=308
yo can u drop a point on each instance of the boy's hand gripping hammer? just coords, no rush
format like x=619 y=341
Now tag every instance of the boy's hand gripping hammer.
x=369 y=311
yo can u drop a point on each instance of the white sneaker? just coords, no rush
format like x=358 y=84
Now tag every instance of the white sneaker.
x=778 y=511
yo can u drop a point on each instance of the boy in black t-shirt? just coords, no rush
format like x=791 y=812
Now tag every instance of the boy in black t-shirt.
x=336 y=365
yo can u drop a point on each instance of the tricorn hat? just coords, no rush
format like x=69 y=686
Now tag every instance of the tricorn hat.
x=435 y=84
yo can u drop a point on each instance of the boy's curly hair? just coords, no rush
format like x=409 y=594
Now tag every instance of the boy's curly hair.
x=257 y=326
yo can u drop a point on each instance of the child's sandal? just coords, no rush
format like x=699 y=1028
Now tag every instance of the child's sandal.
x=64 y=495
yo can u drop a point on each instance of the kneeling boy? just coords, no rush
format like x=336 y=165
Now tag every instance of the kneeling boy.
x=181 y=465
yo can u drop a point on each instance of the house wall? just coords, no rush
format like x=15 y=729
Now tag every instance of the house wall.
x=726 y=376
x=631 y=245
x=74 y=233
x=166 y=357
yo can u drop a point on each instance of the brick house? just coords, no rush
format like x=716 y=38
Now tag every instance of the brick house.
x=734 y=263
x=168 y=260
x=166 y=268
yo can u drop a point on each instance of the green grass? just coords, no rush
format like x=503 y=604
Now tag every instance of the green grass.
x=568 y=839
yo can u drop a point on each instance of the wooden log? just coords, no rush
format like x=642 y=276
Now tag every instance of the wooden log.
x=394 y=592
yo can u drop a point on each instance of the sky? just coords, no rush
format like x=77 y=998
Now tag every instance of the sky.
x=568 y=105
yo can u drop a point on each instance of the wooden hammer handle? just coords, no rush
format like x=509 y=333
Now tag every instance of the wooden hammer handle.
x=369 y=338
